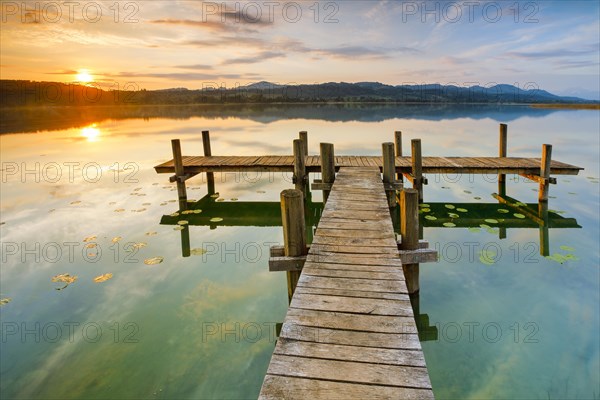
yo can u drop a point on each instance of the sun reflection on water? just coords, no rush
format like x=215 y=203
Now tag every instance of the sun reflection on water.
x=91 y=133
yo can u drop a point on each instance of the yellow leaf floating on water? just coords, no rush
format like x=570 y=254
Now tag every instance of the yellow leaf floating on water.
x=90 y=245
x=90 y=239
x=153 y=260
x=76 y=202
x=103 y=278
x=182 y=222
x=197 y=252
x=5 y=300
x=139 y=245
x=116 y=239
x=65 y=278
x=216 y=219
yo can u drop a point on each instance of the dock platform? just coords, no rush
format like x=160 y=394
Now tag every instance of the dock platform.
x=350 y=331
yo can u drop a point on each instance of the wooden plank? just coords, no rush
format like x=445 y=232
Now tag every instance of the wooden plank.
x=327 y=351
x=369 y=285
x=353 y=259
x=295 y=388
x=336 y=273
x=353 y=293
x=346 y=371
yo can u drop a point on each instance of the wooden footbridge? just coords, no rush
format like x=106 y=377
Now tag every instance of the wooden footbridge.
x=350 y=330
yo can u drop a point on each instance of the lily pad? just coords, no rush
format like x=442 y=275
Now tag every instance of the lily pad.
x=449 y=206
x=67 y=279
x=477 y=198
x=178 y=228
x=430 y=217
x=462 y=210
x=76 y=202
x=119 y=210
x=146 y=204
x=197 y=211
x=467 y=191
x=491 y=221
x=503 y=211
x=423 y=205
x=153 y=260
x=234 y=199
x=139 y=245
x=215 y=196
x=474 y=229
x=90 y=245
x=493 y=231
x=484 y=226
x=103 y=278
x=5 y=300
x=452 y=215
x=90 y=239
x=216 y=219
x=261 y=191
x=197 y=252
x=425 y=210
x=182 y=222
x=571 y=257
x=518 y=215
x=151 y=233
x=220 y=199
x=449 y=224
x=116 y=239
x=175 y=214
x=559 y=258
x=567 y=248
x=487 y=257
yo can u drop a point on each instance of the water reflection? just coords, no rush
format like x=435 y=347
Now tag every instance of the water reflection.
x=91 y=133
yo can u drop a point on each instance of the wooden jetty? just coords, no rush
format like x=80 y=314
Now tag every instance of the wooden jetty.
x=349 y=331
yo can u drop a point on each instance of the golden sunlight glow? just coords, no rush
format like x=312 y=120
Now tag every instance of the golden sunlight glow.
x=84 y=76
x=91 y=133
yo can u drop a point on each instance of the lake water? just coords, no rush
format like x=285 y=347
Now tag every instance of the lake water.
x=512 y=325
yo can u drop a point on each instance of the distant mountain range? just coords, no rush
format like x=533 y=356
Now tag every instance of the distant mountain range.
x=15 y=93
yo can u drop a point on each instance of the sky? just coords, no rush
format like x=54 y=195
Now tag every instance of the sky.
x=552 y=45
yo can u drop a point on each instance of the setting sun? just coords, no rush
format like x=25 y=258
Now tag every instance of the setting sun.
x=84 y=76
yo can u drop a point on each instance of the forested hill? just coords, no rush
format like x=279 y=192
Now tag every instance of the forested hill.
x=19 y=93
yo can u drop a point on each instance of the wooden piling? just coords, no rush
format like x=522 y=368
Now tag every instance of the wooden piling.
x=544 y=230
x=294 y=240
x=300 y=166
x=327 y=166
x=389 y=170
x=303 y=136
x=210 y=176
x=417 y=167
x=179 y=174
x=502 y=152
x=398 y=143
x=409 y=230
x=545 y=172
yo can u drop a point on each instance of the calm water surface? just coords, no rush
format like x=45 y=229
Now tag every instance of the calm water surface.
x=521 y=326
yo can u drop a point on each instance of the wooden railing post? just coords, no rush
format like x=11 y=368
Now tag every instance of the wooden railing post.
x=417 y=167
x=210 y=176
x=299 y=166
x=303 y=136
x=327 y=166
x=294 y=241
x=179 y=174
x=409 y=230
x=545 y=172
x=398 y=143
x=389 y=171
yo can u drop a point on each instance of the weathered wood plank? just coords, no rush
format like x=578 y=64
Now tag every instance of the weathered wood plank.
x=353 y=293
x=357 y=284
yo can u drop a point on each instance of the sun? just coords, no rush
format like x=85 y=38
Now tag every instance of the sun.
x=84 y=76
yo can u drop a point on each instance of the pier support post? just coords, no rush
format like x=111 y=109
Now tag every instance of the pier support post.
x=294 y=241
x=409 y=229
x=327 y=167
x=299 y=166
x=389 y=171
x=502 y=152
x=417 y=167
x=545 y=172
x=544 y=230
x=303 y=136
x=398 y=143
x=179 y=174
x=210 y=176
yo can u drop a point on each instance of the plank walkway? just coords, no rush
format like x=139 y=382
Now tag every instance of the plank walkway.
x=350 y=332
x=434 y=165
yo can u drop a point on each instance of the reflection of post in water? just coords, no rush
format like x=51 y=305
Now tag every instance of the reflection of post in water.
x=544 y=229
x=327 y=168
x=426 y=332
x=185 y=241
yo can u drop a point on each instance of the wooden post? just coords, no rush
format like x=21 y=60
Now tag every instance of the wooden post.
x=327 y=166
x=299 y=166
x=303 y=136
x=545 y=172
x=398 y=142
x=185 y=241
x=389 y=170
x=417 y=167
x=502 y=152
x=210 y=176
x=294 y=241
x=409 y=229
x=179 y=174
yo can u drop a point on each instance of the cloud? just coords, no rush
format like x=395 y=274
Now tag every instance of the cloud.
x=228 y=21
x=63 y=72
x=227 y=41
x=537 y=55
x=265 y=55
x=194 y=66
x=187 y=76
